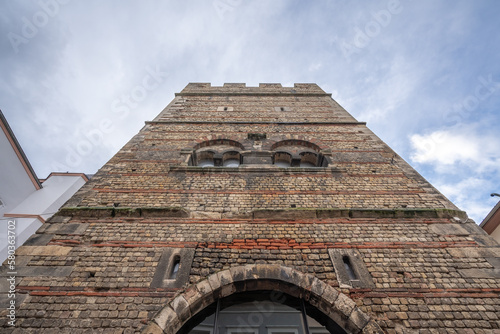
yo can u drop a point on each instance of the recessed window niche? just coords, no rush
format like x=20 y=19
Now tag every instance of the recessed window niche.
x=173 y=268
x=282 y=159
x=350 y=268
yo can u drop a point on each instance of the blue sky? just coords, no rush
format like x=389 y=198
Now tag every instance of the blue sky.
x=78 y=79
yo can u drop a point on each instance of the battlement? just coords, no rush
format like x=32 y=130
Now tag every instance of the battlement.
x=243 y=89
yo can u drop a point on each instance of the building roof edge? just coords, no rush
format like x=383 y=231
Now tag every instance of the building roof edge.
x=488 y=224
x=19 y=151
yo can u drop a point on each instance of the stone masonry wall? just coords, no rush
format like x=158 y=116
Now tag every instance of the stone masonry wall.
x=422 y=278
x=92 y=267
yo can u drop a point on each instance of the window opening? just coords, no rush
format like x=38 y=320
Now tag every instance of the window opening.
x=282 y=109
x=349 y=268
x=307 y=164
x=175 y=268
x=282 y=315
x=206 y=163
x=282 y=159
x=308 y=159
x=225 y=108
x=282 y=164
x=231 y=163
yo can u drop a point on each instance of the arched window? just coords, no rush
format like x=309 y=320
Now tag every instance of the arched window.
x=308 y=159
x=266 y=312
x=229 y=153
x=282 y=159
x=205 y=159
x=296 y=143
x=349 y=268
x=302 y=154
x=231 y=159
x=217 y=153
x=231 y=163
x=206 y=163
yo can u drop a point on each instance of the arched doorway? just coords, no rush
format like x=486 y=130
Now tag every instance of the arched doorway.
x=260 y=312
x=199 y=301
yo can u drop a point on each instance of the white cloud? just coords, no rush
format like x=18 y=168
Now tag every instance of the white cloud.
x=315 y=66
x=470 y=195
x=462 y=189
x=64 y=81
x=464 y=164
x=455 y=147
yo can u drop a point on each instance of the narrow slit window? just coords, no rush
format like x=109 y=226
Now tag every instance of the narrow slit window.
x=282 y=108
x=348 y=268
x=175 y=268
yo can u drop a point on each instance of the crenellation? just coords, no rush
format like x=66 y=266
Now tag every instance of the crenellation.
x=242 y=89
x=270 y=86
x=233 y=86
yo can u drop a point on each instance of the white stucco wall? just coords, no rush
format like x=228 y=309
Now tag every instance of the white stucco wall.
x=15 y=183
x=496 y=234
x=44 y=202
x=55 y=192
x=23 y=228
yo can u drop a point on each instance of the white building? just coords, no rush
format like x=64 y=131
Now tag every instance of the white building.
x=26 y=202
x=491 y=224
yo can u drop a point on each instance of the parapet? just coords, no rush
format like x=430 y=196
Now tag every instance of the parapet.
x=242 y=89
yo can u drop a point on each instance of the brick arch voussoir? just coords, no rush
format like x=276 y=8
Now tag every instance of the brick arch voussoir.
x=256 y=277
x=213 y=139
x=270 y=144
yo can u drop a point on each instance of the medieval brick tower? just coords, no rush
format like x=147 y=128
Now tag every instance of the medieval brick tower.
x=257 y=210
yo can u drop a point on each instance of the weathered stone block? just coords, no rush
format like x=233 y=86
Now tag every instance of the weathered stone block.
x=285 y=214
x=474 y=252
x=358 y=320
x=167 y=318
x=448 y=229
x=181 y=308
x=485 y=240
x=372 y=328
x=39 y=240
x=214 y=282
x=152 y=328
x=65 y=229
x=44 y=250
x=480 y=273
x=344 y=305
x=195 y=299
x=204 y=288
x=225 y=277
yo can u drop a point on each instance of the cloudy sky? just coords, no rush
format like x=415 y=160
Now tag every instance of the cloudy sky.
x=79 y=78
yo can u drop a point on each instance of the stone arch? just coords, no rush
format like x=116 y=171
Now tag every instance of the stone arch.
x=255 y=277
x=217 y=140
x=295 y=140
x=213 y=148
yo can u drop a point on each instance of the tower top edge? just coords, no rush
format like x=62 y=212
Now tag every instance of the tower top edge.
x=301 y=88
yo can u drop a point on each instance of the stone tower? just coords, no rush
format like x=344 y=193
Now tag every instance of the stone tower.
x=257 y=210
